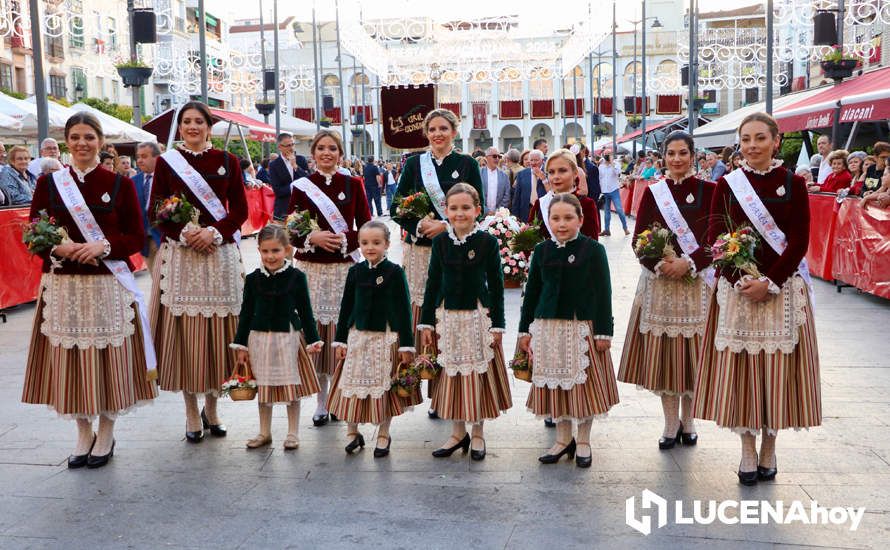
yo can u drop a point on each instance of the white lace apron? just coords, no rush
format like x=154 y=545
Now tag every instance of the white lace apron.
x=326 y=282
x=416 y=263
x=464 y=340
x=560 y=351
x=672 y=307
x=367 y=370
x=770 y=326
x=195 y=284
x=274 y=357
x=86 y=311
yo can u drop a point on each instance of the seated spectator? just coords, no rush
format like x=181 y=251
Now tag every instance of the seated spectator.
x=125 y=166
x=735 y=161
x=806 y=174
x=839 y=178
x=48 y=165
x=856 y=166
x=106 y=159
x=873 y=173
x=649 y=170
x=15 y=181
x=248 y=171
x=881 y=197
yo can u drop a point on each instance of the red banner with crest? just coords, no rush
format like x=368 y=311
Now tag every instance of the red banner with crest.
x=403 y=109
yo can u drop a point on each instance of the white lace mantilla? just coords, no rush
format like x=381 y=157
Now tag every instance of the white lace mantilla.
x=195 y=284
x=672 y=307
x=770 y=326
x=464 y=340
x=326 y=282
x=368 y=366
x=86 y=311
x=416 y=262
x=560 y=350
x=274 y=357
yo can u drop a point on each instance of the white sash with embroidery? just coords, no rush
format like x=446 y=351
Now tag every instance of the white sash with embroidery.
x=763 y=221
x=328 y=209
x=431 y=183
x=86 y=222
x=670 y=211
x=544 y=203
x=198 y=186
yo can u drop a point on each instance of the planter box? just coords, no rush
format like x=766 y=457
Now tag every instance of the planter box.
x=135 y=77
x=838 y=70
x=265 y=109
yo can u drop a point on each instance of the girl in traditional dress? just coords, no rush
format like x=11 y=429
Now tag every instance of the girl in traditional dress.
x=274 y=312
x=464 y=300
x=90 y=354
x=199 y=280
x=667 y=319
x=566 y=328
x=374 y=333
x=433 y=172
x=338 y=204
x=759 y=365
x=564 y=175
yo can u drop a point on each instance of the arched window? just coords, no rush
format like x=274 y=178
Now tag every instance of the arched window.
x=540 y=83
x=355 y=89
x=668 y=74
x=331 y=88
x=602 y=80
x=510 y=84
x=573 y=86
x=633 y=75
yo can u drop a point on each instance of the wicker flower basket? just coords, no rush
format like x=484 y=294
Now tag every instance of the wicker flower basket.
x=242 y=393
x=402 y=391
x=523 y=374
x=426 y=364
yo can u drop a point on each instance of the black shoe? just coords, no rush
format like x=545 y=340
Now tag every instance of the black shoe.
x=195 y=437
x=665 y=443
x=584 y=461
x=358 y=441
x=216 y=430
x=480 y=454
x=319 y=420
x=94 y=461
x=382 y=452
x=766 y=474
x=748 y=478
x=432 y=414
x=553 y=459
x=549 y=423
x=333 y=417
x=689 y=439
x=448 y=451
x=79 y=461
x=605 y=234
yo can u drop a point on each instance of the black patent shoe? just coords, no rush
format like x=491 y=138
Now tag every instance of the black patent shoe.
x=665 y=443
x=549 y=423
x=380 y=452
x=195 y=437
x=584 y=461
x=689 y=439
x=79 y=461
x=448 y=451
x=216 y=430
x=554 y=458
x=358 y=441
x=766 y=474
x=748 y=478
x=478 y=455
x=432 y=414
x=333 y=417
x=319 y=420
x=94 y=461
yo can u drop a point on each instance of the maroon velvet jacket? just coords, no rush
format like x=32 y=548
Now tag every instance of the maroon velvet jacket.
x=353 y=206
x=791 y=211
x=695 y=213
x=120 y=218
x=590 y=227
x=228 y=186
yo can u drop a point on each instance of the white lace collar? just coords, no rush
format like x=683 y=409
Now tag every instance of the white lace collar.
x=689 y=173
x=276 y=272
x=376 y=265
x=560 y=244
x=328 y=177
x=82 y=175
x=207 y=146
x=457 y=240
x=438 y=161
x=773 y=165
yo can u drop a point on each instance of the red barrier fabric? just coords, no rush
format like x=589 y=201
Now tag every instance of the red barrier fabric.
x=627 y=194
x=823 y=222
x=640 y=187
x=260 y=204
x=334 y=115
x=862 y=248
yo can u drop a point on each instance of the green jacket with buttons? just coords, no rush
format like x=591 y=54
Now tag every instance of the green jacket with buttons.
x=376 y=298
x=276 y=303
x=569 y=282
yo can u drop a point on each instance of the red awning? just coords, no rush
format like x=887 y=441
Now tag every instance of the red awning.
x=161 y=125
x=863 y=98
x=649 y=128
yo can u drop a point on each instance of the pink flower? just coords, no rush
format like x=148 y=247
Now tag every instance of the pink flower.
x=496 y=232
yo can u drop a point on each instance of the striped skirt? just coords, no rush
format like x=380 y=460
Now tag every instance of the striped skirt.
x=292 y=392
x=84 y=382
x=473 y=397
x=662 y=364
x=747 y=392
x=193 y=350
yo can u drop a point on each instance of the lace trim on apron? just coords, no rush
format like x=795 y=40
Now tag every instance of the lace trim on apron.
x=672 y=307
x=367 y=370
x=87 y=311
x=560 y=350
x=201 y=284
x=464 y=340
x=416 y=262
x=326 y=282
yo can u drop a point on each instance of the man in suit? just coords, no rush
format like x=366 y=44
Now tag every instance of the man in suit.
x=523 y=194
x=283 y=171
x=495 y=182
x=147 y=154
x=372 y=179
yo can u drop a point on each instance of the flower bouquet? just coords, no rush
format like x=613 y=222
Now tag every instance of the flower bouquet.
x=241 y=386
x=655 y=243
x=504 y=227
x=42 y=234
x=426 y=364
x=301 y=223
x=406 y=381
x=176 y=209
x=522 y=366
x=735 y=250
x=416 y=206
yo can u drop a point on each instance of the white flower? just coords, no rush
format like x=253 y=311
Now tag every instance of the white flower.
x=506 y=270
x=521 y=263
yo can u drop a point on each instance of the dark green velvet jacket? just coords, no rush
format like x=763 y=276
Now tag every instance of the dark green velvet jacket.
x=276 y=303
x=374 y=298
x=463 y=275
x=456 y=168
x=569 y=282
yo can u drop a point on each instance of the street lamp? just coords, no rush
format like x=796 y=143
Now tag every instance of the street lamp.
x=656 y=24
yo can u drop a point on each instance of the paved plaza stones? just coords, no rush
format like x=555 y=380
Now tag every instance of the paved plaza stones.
x=160 y=492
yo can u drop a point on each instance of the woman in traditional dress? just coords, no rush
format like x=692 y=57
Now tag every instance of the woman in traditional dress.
x=464 y=304
x=667 y=319
x=759 y=365
x=90 y=352
x=338 y=205
x=564 y=176
x=444 y=168
x=198 y=284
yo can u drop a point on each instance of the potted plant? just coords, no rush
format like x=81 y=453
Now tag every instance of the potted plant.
x=265 y=107
x=634 y=120
x=698 y=103
x=325 y=122
x=600 y=130
x=134 y=73
x=837 y=65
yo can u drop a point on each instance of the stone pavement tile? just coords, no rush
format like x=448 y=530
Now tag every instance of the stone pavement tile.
x=16 y=477
x=875 y=497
